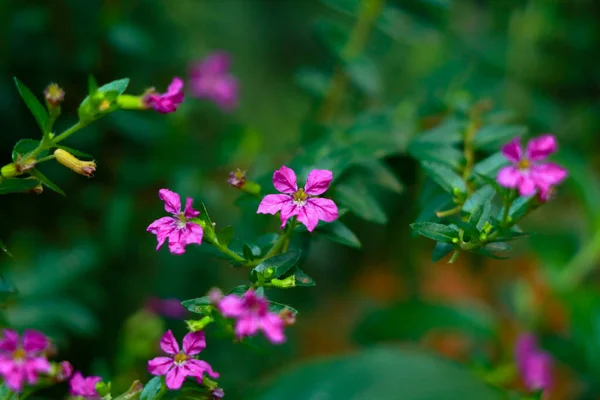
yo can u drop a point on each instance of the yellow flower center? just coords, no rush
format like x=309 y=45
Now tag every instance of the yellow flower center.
x=104 y=105
x=523 y=164
x=19 y=354
x=300 y=197
x=180 y=357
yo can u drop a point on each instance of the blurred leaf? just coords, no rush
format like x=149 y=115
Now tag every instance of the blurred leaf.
x=46 y=181
x=197 y=305
x=302 y=279
x=497 y=246
x=360 y=202
x=517 y=209
x=440 y=251
x=7 y=289
x=491 y=165
x=26 y=146
x=450 y=156
x=482 y=195
x=363 y=72
x=338 y=232
x=280 y=264
x=119 y=86
x=332 y=34
x=15 y=185
x=239 y=290
x=444 y=176
x=377 y=172
x=467 y=227
x=247 y=252
x=449 y=132
x=4 y=248
x=380 y=373
x=313 y=80
x=436 y=203
x=225 y=235
x=34 y=105
x=276 y=307
x=154 y=389
x=435 y=231
x=492 y=137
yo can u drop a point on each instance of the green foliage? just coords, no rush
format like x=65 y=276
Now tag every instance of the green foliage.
x=37 y=109
x=155 y=389
x=14 y=185
x=439 y=232
x=278 y=266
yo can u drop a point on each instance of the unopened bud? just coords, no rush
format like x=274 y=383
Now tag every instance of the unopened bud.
x=86 y=168
x=198 y=325
x=286 y=283
x=103 y=389
x=267 y=273
x=237 y=178
x=218 y=393
x=454 y=240
x=288 y=317
x=9 y=171
x=62 y=371
x=54 y=95
x=483 y=237
x=130 y=102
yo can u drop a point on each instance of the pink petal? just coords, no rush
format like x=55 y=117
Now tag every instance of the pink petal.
x=284 y=180
x=288 y=211
x=169 y=344
x=325 y=209
x=272 y=203
x=272 y=326
x=14 y=378
x=175 y=377
x=177 y=241
x=225 y=93
x=216 y=63
x=509 y=177
x=193 y=233
x=537 y=372
x=318 y=181
x=10 y=340
x=548 y=174
x=512 y=150
x=526 y=186
x=33 y=367
x=6 y=364
x=34 y=341
x=231 y=306
x=541 y=147
x=247 y=325
x=172 y=201
x=189 y=211
x=194 y=343
x=198 y=367
x=160 y=365
x=175 y=87
x=161 y=225
x=308 y=216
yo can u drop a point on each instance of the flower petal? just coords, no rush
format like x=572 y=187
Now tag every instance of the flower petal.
x=231 y=306
x=509 y=177
x=171 y=199
x=14 y=378
x=308 y=216
x=288 y=211
x=198 y=367
x=272 y=326
x=193 y=233
x=10 y=340
x=169 y=344
x=526 y=186
x=284 y=180
x=225 y=92
x=548 y=174
x=177 y=241
x=189 y=211
x=512 y=150
x=176 y=87
x=34 y=341
x=247 y=325
x=537 y=372
x=175 y=377
x=325 y=209
x=161 y=225
x=272 y=203
x=194 y=343
x=33 y=367
x=541 y=147
x=160 y=365
x=318 y=181
x=216 y=63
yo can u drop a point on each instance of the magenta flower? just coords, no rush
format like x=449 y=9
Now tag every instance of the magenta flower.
x=300 y=203
x=534 y=365
x=170 y=308
x=178 y=228
x=166 y=102
x=210 y=79
x=252 y=314
x=180 y=363
x=84 y=387
x=63 y=371
x=21 y=360
x=528 y=174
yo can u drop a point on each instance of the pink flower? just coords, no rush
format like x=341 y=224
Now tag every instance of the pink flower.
x=22 y=359
x=300 y=202
x=210 y=78
x=177 y=228
x=171 y=308
x=180 y=363
x=252 y=314
x=534 y=365
x=528 y=174
x=166 y=102
x=84 y=387
x=63 y=371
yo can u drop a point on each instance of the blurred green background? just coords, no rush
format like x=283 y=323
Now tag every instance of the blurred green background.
x=84 y=265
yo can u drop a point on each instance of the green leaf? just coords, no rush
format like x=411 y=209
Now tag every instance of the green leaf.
x=119 y=86
x=198 y=305
x=15 y=185
x=25 y=146
x=447 y=133
x=34 y=105
x=440 y=251
x=302 y=279
x=4 y=248
x=365 y=75
x=444 y=176
x=247 y=252
x=313 y=80
x=46 y=181
x=225 y=235
x=481 y=195
x=493 y=136
x=490 y=166
x=360 y=202
x=75 y=152
x=380 y=373
x=276 y=307
x=435 y=231
x=239 y=290
x=484 y=211
x=280 y=264
x=377 y=172
x=517 y=209
x=450 y=156
x=338 y=232
x=155 y=389
x=467 y=227
x=92 y=85
x=497 y=246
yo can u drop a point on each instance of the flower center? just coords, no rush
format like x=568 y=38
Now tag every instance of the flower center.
x=19 y=354
x=181 y=221
x=300 y=197
x=180 y=358
x=523 y=164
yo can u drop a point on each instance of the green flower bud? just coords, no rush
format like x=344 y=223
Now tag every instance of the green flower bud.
x=286 y=283
x=198 y=325
x=454 y=240
x=130 y=102
x=9 y=171
x=268 y=273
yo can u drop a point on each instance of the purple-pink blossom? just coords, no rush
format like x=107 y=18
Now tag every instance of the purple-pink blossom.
x=529 y=174
x=166 y=102
x=534 y=364
x=302 y=202
x=252 y=314
x=170 y=308
x=84 y=386
x=178 y=228
x=23 y=359
x=211 y=79
x=180 y=364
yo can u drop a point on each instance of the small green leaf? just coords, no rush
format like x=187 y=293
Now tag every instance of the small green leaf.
x=247 y=252
x=280 y=264
x=75 y=152
x=517 y=209
x=440 y=251
x=450 y=156
x=493 y=136
x=378 y=173
x=468 y=228
x=435 y=231
x=497 y=246
x=490 y=166
x=447 y=133
x=481 y=195
x=15 y=185
x=276 y=307
x=119 y=86
x=198 y=305
x=338 y=232
x=34 y=105
x=46 y=181
x=444 y=176
x=486 y=211
x=25 y=146
x=365 y=75
x=302 y=279
x=239 y=290
x=360 y=202
x=313 y=80
x=155 y=389
x=225 y=235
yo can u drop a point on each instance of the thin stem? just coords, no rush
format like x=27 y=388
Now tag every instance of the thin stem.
x=69 y=132
x=227 y=251
x=447 y=213
x=47 y=158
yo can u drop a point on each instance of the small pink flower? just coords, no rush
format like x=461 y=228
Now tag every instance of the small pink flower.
x=177 y=228
x=166 y=102
x=210 y=79
x=528 y=174
x=180 y=364
x=170 y=308
x=534 y=365
x=23 y=359
x=64 y=370
x=300 y=202
x=252 y=314
x=84 y=387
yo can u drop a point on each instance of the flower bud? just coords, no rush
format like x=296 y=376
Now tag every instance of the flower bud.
x=268 y=273
x=9 y=171
x=287 y=316
x=218 y=393
x=62 y=371
x=86 y=168
x=54 y=95
x=198 y=325
x=454 y=240
x=103 y=389
x=237 y=178
x=24 y=165
x=130 y=102
x=286 y=283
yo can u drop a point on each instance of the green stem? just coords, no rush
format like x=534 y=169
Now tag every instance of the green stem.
x=47 y=158
x=581 y=264
x=227 y=251
x=79 y=125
